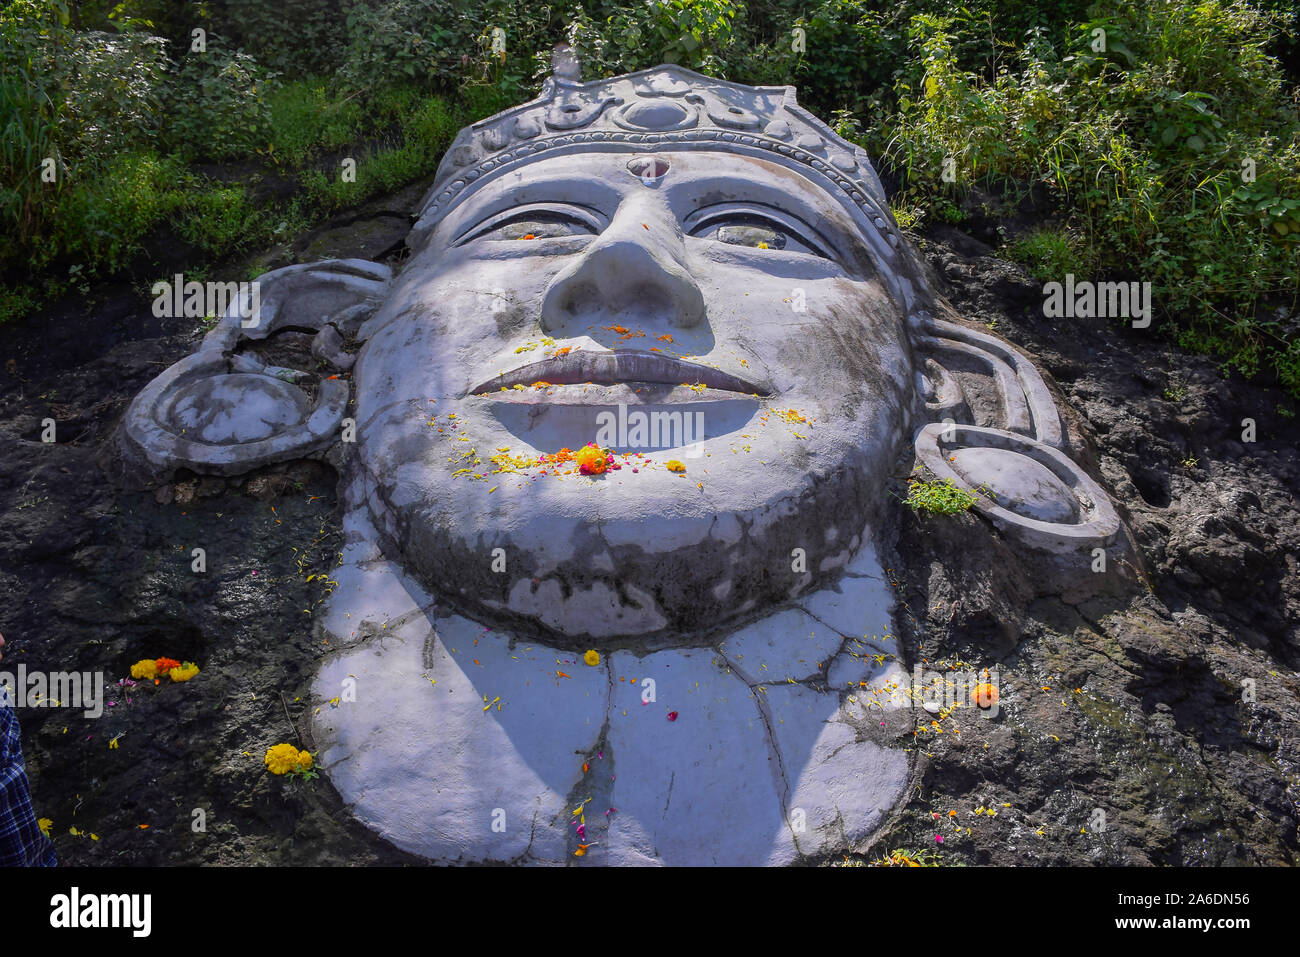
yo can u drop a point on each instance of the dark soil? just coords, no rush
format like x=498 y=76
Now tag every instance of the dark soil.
x=1129 y=703
x=1153 y=727
x=97 y=579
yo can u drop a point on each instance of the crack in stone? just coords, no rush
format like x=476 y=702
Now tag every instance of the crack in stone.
x=846 y=638
x=785 y=790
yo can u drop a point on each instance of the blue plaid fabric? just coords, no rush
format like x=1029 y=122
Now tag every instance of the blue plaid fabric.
x=21 y=842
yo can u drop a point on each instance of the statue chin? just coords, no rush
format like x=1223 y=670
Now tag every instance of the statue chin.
x=583 y=566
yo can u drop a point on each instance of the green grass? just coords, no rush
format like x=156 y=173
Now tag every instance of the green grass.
x=427 y=130
x=938 y=498
x=305 y=122
x=101 y=223
x=1048 y=254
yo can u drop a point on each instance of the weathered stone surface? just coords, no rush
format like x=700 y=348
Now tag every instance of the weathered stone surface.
x=788 y=644
x=856 y=607
x=840 y=784
x=426 y=758
x=442 y=726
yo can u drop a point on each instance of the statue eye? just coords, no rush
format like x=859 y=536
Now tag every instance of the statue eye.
x=538 y=228
x=757 y=231
x=760 y=237
x=533 y=224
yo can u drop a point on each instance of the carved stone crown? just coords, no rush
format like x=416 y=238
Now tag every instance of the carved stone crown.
x=667 y=107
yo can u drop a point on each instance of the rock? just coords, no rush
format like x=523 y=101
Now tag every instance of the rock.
x=266 y=487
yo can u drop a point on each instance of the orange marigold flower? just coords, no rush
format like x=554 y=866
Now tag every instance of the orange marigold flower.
x=166 y=664
x=986 y=696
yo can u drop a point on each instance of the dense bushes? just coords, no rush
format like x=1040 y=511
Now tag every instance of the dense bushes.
x=295 y=38
x=1174 y=153
x=406 y=39
x=220 y=104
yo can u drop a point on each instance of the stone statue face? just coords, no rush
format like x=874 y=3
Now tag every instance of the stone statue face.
x=689 y=272
x=696 y=275
x=732 y=293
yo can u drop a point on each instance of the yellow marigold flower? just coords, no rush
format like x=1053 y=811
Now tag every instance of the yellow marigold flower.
x=45 y=824
x=675 y=466
x=591 y=459
x=184 y=673
x=283 y=758
x=592 y=658
x=305 y=761
x=145 y=669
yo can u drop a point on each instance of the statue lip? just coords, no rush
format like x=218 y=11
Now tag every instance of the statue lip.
x=612 y=368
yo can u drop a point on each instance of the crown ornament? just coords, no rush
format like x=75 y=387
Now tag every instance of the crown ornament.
x=663 y=108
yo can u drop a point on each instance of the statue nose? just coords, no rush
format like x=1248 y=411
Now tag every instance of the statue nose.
x=632 y=273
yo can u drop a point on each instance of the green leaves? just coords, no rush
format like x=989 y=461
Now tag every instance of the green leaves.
x=219 y=107
x=1145 y=153
x=693 y=32
x=938 y=498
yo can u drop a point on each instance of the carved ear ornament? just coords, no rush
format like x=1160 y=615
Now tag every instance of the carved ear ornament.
x=223 y=411
x=1000 y=436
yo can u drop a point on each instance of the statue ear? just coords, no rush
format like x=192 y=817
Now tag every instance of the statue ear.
x=224 y=410
x=996 y=431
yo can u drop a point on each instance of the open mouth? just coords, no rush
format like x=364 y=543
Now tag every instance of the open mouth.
x=612 y=368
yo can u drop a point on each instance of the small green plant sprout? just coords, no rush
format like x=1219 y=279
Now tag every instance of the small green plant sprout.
x=1189 y=462
x=938 y=497
x=902 y=857
x=908 y=217
x=1176 y=392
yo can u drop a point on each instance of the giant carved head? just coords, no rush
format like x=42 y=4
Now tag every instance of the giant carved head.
x=657 y=343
